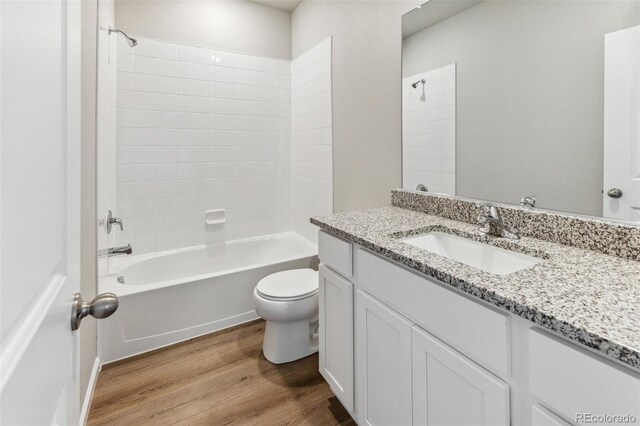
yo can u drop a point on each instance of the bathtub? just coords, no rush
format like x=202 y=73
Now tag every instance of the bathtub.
x=171 y=296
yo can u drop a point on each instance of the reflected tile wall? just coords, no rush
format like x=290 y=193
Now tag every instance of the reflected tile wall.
x=429 y=130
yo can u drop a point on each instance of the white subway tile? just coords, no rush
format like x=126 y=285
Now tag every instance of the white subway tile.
x=146 y=83
x=167 y=85
x=240 y=61
x=125 y=80
x=223 y=59
x=125 y=62
x=146 y=100
x=167 y=50
x=224 y=75
x=146 y=48
x=187 y=70
x=187 y=53
x=146 y=65
x=167 y=68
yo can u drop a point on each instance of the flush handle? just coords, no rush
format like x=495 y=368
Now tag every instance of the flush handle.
x=614 y=193
x=102 y=306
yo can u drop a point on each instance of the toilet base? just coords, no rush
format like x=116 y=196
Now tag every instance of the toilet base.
x=287 y=342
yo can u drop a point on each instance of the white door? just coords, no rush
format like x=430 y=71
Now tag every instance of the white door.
x=622 y=125
x=383 y=363
x=449 y=389
x=336 y=334
x=39 y=210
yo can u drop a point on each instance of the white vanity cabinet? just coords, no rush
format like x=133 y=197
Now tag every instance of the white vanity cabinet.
x=336 y=334
x=425 y=354
x=383 y=367
x=336 y=314
x=449 y=389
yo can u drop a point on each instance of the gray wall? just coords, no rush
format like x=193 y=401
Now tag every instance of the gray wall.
x=366 y=73
x=88 y=277
x=530 y=104
x=233 y=25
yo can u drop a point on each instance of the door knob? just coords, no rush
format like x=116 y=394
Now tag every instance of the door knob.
x=614 y=193
x=102 y=306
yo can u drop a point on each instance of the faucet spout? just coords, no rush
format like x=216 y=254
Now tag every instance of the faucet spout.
x=116 y=251
x=493 y=224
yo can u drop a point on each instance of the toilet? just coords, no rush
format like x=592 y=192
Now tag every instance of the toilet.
x=288 y=302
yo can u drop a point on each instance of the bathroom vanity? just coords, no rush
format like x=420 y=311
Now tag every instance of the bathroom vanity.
x=408 y=336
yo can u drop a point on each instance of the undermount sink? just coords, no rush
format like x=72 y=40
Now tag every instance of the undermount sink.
x=481 y=256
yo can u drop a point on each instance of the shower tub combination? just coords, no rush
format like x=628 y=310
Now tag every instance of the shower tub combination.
x=176 y=295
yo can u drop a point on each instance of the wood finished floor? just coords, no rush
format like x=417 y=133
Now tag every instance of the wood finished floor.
x=219 y=379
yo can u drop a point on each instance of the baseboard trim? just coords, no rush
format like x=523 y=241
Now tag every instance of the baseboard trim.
x=86 y=404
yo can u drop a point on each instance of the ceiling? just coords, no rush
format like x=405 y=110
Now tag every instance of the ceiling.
x=280 y=4
x=433 y=12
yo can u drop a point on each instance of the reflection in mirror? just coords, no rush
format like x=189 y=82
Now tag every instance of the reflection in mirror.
x=521 y=101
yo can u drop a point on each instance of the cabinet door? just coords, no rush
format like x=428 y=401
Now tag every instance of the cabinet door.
x=543 y=417
x=383 y=363
x=449 y=389
x=336 y=334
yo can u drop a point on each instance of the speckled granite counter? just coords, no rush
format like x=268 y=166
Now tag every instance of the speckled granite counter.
x=589 y=297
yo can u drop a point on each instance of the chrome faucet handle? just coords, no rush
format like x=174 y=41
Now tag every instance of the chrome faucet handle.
x=491 y=210
x=111 y=220
x=118 y=221
x=493 y=224
x=528 y=201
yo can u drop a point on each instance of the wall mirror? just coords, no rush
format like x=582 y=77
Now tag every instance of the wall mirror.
x=519 y=101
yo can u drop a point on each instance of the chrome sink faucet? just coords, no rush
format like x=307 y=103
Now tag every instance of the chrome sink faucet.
x=493 y=224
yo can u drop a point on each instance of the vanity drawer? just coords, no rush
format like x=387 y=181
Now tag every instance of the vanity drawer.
x=336 y=253
x=572 y=381
x=477 y=331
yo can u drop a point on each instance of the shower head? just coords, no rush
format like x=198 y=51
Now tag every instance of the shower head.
x=132 y=41
x=414 y=85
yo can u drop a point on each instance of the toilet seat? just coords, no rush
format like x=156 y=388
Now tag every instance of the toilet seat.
x=289 y=285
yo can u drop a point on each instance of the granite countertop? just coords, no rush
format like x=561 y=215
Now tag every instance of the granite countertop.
x=587 y=296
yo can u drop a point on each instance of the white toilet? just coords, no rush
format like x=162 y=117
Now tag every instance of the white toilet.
x=288 y=301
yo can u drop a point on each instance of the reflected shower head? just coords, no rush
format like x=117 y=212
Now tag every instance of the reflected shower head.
x=132 y=41
x=414 y=85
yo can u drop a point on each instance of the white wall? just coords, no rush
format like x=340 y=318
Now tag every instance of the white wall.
x=429 y=130
x=200 y=129
x=311 y=138
x=366 y=76
x=530 y=79
x=88 y=219
x=232 y=25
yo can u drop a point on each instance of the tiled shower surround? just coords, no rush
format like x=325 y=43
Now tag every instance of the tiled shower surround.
x=201 y=129
x=106 y=129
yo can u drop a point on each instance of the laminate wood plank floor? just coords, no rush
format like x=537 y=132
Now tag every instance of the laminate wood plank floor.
x=218 y=379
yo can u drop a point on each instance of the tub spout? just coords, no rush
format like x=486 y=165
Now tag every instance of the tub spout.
x=116 y=251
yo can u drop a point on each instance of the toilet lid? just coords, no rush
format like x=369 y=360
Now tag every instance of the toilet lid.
x=293 y=284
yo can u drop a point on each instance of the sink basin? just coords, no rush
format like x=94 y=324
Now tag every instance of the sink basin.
x=482 y=256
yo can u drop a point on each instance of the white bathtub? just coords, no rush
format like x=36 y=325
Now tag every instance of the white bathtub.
x=176 y=295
